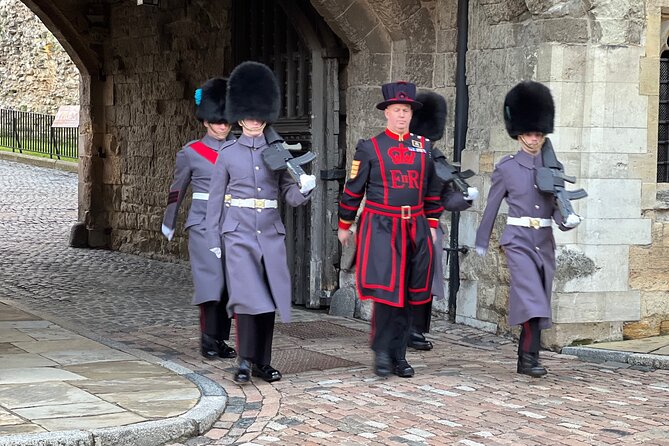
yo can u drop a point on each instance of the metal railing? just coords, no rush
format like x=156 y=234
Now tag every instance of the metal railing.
x=32 y=132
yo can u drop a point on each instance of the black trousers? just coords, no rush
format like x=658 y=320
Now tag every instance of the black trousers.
x=255 y=333
x=391 y=327
x=421 y=317
x=214 y=320
x=530 y=337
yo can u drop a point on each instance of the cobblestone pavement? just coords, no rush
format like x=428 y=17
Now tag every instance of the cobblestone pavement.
x=465 y=392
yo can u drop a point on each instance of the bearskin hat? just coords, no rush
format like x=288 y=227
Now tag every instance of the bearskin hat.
x=529 y=107
x=210 y=101
x=253 y=93
x=430 y=120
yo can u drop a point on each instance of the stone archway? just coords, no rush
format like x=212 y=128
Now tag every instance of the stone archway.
x=69 y=25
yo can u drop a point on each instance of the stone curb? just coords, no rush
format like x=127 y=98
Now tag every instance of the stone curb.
x=67 y=166
x=631 y=358
x=196 y=421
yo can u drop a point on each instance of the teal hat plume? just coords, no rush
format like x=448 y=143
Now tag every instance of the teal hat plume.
x=210 y=101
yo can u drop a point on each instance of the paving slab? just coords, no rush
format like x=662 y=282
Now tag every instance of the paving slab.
x=35 y=375
x=68 y=410
x=43 y=394
x=24 y=360
x=89 y=422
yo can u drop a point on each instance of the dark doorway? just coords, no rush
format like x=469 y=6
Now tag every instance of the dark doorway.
x=308 y=59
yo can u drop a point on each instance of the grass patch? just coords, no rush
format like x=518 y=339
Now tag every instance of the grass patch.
x=38 y=154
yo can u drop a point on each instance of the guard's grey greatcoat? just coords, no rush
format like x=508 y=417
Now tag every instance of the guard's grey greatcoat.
x=194 y=166
x=530 y=253
x=454 y=201
x=253 y=239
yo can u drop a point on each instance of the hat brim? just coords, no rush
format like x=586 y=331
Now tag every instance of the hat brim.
x=414 y=104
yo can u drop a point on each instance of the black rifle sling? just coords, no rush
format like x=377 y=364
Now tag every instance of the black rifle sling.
x=548 y=156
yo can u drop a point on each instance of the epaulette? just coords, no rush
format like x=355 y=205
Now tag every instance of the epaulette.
x=505 y=159
x=418 y=143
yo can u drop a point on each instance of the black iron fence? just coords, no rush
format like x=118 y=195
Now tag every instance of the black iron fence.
x=32 y=132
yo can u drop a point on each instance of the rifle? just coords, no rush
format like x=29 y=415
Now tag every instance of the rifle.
x=450 y=173
x=551 y=180
x=278 y=157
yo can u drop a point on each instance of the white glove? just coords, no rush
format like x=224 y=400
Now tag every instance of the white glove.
x=572 y=221
x=472 y=194
x=167 y=232
x=481 y=251
x=307 y=182
x=216 y=251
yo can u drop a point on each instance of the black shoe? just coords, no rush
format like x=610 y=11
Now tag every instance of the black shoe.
x=528 y=364
x=208 y=347
x=225 y=351
x=402 y=368
x=266 y=372
x=417 y=341
x=243 y=374
x=382 y=364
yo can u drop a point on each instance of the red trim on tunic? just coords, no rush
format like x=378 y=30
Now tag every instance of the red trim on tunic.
x=382 y=169
x=205 y=151
x=396 y=136
x=354 y=195
x=365 y=260
x=428 y=282
x=349 y=208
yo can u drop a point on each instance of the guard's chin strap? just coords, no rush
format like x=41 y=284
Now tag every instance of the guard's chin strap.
x=533 y=147
x=243 y=125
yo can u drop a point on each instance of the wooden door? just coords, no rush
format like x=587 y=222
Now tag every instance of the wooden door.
x=292 y=39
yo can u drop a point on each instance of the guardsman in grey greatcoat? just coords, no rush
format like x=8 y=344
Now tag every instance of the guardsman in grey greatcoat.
x=243 y=220
x=430 y=121
x=194 y=166
x=527 y=241
x=397 y=227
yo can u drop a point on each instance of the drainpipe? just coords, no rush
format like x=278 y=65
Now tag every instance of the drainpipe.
x=461 y=116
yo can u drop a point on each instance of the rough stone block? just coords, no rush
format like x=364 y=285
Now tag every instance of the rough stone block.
x=79 y=235
x=609 y=275
x=343 y=302
x=627 y=140
x=614 y=231
x=600 y=204
x=596 y=307
x=561 y=335
x=363 y=309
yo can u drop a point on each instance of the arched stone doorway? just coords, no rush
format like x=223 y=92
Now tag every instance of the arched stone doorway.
x=66 y=22
x=308 y=60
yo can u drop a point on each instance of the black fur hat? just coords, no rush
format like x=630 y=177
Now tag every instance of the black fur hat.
x=430 y=120
x=210 y=101
x=253 y=92
x=529 y=107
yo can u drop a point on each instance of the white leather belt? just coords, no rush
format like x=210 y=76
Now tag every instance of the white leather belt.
x=529 y=222
x=200 y=196
x=253 y=203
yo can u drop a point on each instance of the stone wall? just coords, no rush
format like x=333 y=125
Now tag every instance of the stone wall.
x=156 y=58
x=590 y=59
x=36 y=73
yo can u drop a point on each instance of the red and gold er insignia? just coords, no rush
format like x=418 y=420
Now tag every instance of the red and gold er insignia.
x=354 y=169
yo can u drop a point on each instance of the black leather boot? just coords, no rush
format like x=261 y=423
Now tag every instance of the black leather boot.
x=402 y=368
x=225 y=351
x=382 y=364
x=208 y=347
x=528 y=364
x=243 y=374
x=417 y=341
x=266 y=372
